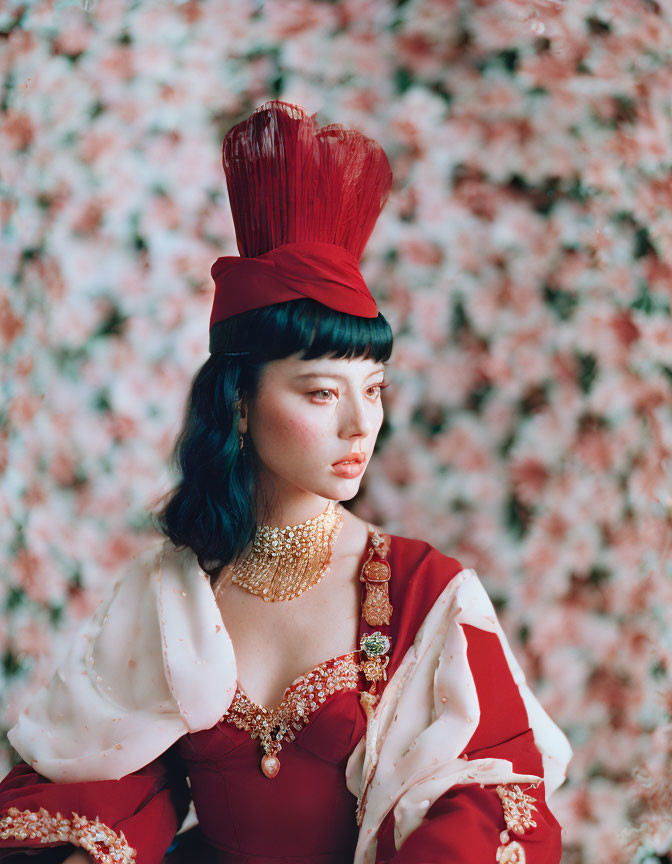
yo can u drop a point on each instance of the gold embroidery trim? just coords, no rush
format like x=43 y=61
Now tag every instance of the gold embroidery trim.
x=512 y=853
x=376 y=610
x=103 y=844
x=302 y=698
x=518 y=807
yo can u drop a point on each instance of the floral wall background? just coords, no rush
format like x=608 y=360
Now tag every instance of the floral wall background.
x=524 y=260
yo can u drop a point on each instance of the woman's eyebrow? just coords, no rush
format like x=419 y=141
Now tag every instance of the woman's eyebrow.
x=332 y=375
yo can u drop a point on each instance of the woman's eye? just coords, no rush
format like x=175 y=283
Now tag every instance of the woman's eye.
x=326 y=393
x=380 y=387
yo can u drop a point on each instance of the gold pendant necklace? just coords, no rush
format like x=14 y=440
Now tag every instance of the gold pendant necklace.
x=285 y=562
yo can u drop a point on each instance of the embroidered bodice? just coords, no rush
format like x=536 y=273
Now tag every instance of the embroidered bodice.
x=274 y=726
x=316 y=725
x=300 y=700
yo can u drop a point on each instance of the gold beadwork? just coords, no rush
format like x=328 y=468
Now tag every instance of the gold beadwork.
x=285 y=562
x=103 y=844
x=511 y=854
x=376 y=608
x=374 y=669
x=377 y=571
x=518 y=807
x=301 y=699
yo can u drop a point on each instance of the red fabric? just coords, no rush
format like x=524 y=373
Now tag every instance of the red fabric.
x=311 y=197
x=148 y=806
x=306 y=815
x=463 y=825
x=323 y=271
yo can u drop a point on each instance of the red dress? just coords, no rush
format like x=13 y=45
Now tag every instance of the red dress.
x=306 y=813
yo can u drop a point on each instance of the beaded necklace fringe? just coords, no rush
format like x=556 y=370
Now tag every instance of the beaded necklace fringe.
x=285 y=562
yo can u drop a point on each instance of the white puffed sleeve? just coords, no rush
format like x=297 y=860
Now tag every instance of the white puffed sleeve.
x=153 y=662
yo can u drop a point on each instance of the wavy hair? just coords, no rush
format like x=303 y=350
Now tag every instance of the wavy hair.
x=213 y=508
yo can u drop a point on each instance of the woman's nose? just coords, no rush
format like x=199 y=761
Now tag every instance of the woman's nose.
x=356 y=420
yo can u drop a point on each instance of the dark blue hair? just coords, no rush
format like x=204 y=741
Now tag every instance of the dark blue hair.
x=213 y=508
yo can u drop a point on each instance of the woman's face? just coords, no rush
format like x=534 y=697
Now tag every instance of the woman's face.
x=307 y=415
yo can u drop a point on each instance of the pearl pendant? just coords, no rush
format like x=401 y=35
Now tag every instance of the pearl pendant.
x=270 y=765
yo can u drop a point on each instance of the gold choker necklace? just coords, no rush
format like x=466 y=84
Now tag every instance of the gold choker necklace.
x=285 y=562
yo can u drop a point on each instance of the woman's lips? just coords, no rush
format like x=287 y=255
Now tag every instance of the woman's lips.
x=349 y=469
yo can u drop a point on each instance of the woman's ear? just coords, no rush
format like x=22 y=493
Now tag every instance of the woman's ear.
x=241 y=404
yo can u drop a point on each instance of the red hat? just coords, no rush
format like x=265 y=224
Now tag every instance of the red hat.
x=304 y=202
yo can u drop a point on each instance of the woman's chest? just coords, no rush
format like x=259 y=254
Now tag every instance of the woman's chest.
x=275 y=643
x=305 y=809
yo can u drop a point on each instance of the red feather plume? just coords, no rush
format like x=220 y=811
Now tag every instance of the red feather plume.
x=289 y=181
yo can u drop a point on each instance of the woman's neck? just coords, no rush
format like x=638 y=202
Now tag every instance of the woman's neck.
x=280 y=507
x=293 y=514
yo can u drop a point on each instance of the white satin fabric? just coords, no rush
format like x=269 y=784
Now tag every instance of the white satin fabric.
x=155 y=662
x=428 y=712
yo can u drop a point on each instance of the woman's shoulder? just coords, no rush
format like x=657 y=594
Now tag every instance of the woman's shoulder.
x=138 y=673
x=421 y=556
x=420 y=572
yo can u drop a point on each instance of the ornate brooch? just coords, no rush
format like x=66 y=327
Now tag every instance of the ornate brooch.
x=377 y=608
x=373 y=647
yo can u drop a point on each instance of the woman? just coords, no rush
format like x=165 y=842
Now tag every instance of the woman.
x=332 y=693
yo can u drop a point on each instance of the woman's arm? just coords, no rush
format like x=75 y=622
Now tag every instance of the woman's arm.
x=465 y=824
x=137 y=816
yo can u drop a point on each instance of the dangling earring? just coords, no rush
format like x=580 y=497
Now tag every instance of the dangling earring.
x=237 y=405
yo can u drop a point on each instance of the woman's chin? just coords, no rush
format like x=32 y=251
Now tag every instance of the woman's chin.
x=339 y=489
x=345 y=488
